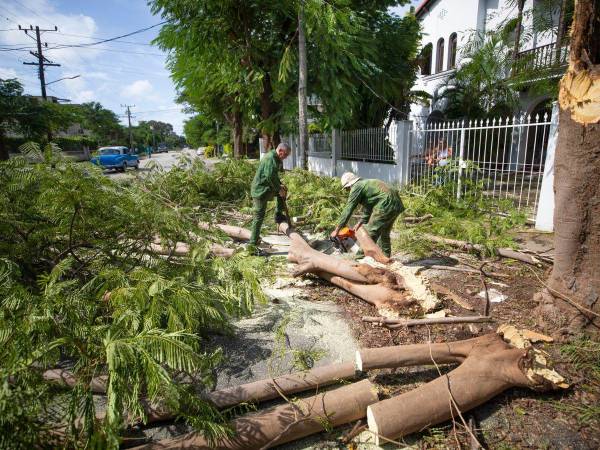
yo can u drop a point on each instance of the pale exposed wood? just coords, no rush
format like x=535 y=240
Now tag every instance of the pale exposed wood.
x=370 y=247
x=236 y=233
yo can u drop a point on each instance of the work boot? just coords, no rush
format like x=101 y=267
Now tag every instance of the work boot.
x=280 y=218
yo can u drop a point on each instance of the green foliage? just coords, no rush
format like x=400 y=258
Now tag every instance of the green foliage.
x=319 y=200
x=210 y=151
x=79 y=288
x=228 y=150
x=473 y=218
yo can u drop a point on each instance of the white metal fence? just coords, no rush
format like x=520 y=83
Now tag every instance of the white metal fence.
x=504 y=158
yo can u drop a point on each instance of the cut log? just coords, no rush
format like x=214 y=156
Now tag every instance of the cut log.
x=236 y=233
x=399 y=323
x=262 y=390
x=384 y=298
x=488 y=367
x=67 y=378
x=468 y=247
x=310 y=260
x=287 y=422
x=370 y=247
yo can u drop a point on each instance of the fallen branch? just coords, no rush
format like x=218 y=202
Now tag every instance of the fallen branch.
x=443 y=290
x=493 y=363
x=287 y=422
x=468 y=247
x=370 y=247
x=462 y=269
x=399 y=323
x=236 y=233
x=68 y=379
x=420 y=219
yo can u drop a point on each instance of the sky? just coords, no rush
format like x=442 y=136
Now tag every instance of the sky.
x=129 y=71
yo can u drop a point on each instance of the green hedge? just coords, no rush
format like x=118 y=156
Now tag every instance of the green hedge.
x=67 y=144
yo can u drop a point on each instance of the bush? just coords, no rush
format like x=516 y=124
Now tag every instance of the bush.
x=228 y=150
x=210 y=151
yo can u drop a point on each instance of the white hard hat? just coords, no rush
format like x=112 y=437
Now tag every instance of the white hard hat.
x=348 y=179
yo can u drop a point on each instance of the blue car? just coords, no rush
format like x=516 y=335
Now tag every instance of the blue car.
x=118 y=158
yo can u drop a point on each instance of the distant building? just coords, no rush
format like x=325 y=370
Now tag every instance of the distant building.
x=448 y=24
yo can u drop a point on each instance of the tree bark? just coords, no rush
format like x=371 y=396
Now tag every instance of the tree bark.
x=302 y=77
x=370 y=247
x=238 y=129
x=287 y=422
x=269 y=110
x=571 y=299
x=236 y=233
x=488 y=366
x=3 y=147
x=520 y=6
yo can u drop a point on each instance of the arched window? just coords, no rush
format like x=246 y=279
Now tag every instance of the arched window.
x=425 y=59
x=452 y=51
x=439 y=59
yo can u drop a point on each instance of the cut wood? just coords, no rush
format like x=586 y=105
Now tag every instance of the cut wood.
x=399 y=323
x=68 y=379
x=287 y=422
x=183 y=249
x=488 y=366
x=268 y=389
x=236 y=233
x=310 y=260
x=468 y=247
x=420 y=219
x=370 y=247
x=443 y=290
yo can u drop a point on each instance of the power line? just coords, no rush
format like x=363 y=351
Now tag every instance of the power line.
x=95 y=37
x=32 y=11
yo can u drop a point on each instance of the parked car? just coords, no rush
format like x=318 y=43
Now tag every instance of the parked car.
x=200 y=151
x=162 y=148
x=118 y=158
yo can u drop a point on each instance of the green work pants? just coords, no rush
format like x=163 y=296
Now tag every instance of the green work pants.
x=260 y=208
x=382 y=221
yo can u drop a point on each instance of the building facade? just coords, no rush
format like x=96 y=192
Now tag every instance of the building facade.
x=448 y=25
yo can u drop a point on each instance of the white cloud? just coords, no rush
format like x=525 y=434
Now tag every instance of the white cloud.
x=138 y=89
x=7 y=73
x=84 y=96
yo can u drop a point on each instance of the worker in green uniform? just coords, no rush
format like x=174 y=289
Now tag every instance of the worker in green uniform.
x=381 y=206
x=266 y=186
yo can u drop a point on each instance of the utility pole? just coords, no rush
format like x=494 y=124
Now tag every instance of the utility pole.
x=42 y=61
x=128 y=109
x=302 y=114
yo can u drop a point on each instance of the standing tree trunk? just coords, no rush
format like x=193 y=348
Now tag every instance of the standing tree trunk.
x=3 y=147
x=560 y=32
x=269 y=109
x=302 y=115
x=520 y=6
x=238 y=130
x=572 y=297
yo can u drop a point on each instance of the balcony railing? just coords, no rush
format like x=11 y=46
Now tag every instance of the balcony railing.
x=540 y=58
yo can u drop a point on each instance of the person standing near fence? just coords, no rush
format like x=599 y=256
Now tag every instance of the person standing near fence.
x=266 y=186
x=381 y=206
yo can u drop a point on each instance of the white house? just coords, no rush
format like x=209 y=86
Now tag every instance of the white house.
x=448 y=24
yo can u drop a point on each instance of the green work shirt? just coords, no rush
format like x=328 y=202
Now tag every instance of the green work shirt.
x=266 y=181
x=369 y=193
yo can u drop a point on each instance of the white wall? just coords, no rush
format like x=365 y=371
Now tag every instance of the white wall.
x=321 y=166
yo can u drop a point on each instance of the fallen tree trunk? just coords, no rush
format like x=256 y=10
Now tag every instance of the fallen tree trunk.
x=287 y=422
x=488 y=367
x=310 y=260
x=399 y=323
x=420 y=219
x=68 y=379
x=468 y=247
x=381 y=296
x=268 y=389
x=255 y=392
x=370 y=247
x=236 y=233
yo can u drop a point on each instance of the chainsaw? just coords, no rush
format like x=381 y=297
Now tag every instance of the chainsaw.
x=339 y=241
